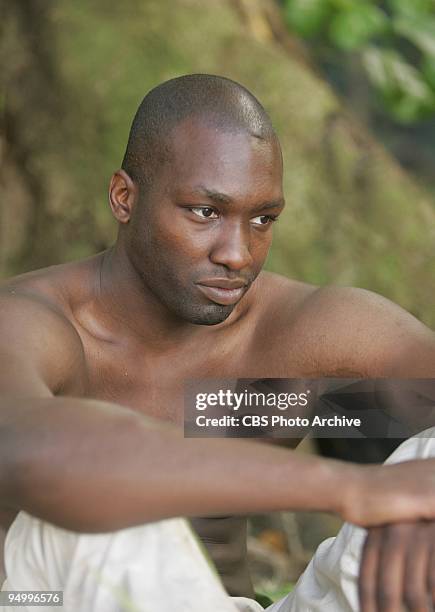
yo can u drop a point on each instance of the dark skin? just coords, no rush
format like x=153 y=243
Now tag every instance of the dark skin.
x=127 y=327
x=398 y=566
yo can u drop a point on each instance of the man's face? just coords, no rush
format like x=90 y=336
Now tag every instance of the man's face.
x=201 y=234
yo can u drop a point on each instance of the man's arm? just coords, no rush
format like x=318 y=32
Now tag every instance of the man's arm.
x=91 y=466
x=94 y=466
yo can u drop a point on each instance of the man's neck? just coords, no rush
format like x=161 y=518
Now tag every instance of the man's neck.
x=130 y=308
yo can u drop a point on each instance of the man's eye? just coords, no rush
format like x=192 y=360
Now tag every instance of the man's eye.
x=264 y=220
x=204 y=212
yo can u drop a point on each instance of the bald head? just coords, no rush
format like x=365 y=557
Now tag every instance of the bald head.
x=216 y=101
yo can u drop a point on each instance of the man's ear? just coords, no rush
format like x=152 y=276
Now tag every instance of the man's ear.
x=123 y=194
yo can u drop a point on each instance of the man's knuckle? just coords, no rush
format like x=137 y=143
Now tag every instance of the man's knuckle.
x=398 y=533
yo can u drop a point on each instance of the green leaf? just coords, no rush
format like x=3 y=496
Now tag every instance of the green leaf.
x=307 y=17
x=373 y=60
x=407 y=109
x=405 y=93
x=280 y=592
x=389 y=70
x=352 y=28
x=428 y=71
x=419 y=31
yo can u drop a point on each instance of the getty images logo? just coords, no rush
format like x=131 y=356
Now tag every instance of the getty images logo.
x=232 y=400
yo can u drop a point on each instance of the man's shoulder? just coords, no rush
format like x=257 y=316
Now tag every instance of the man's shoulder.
x=282 y=293
x=36 y=319
x=345 y=330
x=325 y=305
x=300 y=307
x=278 y=304
x=338 y=305
x=54 y=290
x=55 y=284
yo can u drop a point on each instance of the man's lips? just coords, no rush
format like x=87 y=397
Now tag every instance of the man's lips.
x=222 y=290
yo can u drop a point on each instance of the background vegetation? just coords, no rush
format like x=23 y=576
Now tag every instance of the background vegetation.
x=74 y=73
x=394 y=41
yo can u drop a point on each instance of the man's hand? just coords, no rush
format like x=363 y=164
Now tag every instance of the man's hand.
x=402 y=492
x=398 y=568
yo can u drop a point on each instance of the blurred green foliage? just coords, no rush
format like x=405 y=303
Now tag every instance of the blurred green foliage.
x=395 y=40
x=274 y=595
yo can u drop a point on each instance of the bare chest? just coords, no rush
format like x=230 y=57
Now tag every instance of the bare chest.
x=151 y=385
x=156 y=385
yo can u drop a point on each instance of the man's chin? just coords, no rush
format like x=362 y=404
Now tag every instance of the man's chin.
x=212 y=315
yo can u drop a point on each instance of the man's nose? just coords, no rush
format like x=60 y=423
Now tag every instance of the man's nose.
x=232 y=247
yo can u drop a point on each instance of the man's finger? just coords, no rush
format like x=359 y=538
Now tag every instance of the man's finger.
x=391 y=568
x=431 y=577
x=368 y=570
x=416 y=595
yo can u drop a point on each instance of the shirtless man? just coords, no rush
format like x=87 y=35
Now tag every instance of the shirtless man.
x=91 y=349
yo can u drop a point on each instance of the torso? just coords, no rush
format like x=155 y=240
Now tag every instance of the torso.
x=129 y=374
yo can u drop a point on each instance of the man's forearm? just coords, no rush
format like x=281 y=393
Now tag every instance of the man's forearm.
x=92 y=466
